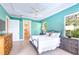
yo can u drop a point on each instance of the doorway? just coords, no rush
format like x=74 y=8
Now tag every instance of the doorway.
x=26 y=30
x=12 y=26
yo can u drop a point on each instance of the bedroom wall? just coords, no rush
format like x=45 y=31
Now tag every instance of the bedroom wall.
x=56 y=21
x=3 y=15
x=35 y=30
x=35 y=26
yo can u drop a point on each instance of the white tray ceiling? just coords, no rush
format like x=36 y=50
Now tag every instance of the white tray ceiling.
x=36 y=11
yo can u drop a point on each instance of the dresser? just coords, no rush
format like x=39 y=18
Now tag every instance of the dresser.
x=70 y=44
x=5 y=44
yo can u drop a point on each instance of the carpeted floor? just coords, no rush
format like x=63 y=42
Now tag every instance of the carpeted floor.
x=23 y=48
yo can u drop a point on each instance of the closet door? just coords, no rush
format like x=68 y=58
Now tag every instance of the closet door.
x=13 y=27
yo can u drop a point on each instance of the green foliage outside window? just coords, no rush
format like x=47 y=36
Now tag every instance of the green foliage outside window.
x=75 y=33
x=72 y=20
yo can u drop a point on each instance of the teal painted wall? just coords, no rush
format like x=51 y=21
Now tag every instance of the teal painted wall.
x=56 y=21
x=35 y=28
x=3 y=13
x=21 y=29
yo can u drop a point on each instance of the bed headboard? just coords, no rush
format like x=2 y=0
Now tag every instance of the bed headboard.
x=55 y=31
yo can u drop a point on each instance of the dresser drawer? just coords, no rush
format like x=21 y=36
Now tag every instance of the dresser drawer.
x=1 y=42
x=5 y=44
x=73 y=41
x=62 y=45
x=74 y=50
x=71 y=45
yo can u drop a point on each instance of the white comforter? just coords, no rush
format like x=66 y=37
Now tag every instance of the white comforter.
x=46 y=42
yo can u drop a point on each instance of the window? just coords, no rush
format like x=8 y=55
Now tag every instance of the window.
x=72 y=25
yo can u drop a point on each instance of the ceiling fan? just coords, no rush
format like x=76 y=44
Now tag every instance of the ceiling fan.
x=35 y=12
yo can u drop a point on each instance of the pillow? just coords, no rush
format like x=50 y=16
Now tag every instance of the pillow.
x=55 y=35
x=49 y=33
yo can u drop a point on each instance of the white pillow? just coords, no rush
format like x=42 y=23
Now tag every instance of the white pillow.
x=47 y=34
x=55 y=35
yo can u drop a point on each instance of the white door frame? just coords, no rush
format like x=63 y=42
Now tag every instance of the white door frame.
x=23 y=27
x=6 y=24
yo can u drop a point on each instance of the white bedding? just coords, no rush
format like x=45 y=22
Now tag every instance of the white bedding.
x=46 y=42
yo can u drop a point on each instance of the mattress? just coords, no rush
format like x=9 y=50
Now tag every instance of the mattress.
x=45 y=41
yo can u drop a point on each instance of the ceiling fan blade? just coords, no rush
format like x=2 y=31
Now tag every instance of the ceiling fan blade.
x=35 y=10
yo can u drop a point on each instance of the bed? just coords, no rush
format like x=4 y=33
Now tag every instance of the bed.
x=43 y=43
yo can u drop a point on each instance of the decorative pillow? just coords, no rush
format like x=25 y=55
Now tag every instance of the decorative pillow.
x=50 y=33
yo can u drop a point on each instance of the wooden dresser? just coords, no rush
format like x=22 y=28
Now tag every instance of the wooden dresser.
x=70 y=45
x=5 y=44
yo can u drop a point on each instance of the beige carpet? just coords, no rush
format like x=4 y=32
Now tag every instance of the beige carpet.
x=23 y=48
